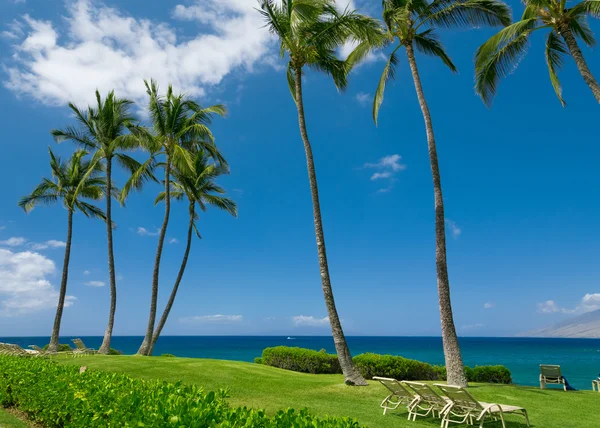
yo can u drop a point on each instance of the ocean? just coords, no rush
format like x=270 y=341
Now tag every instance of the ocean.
x=579 y=358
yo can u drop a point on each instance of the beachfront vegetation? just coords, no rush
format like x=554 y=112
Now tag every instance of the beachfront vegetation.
x=310 y=32
x=73 y=182
x=263 y=387
x=413 y=24
x=500 y=55
x=370 y=365
x=61 y=395
x=103 y=132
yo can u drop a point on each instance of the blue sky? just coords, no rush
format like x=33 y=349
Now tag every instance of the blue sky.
x=520 y=182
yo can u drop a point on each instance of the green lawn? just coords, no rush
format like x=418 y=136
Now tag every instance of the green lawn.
x=272 y=389
x=9 y=421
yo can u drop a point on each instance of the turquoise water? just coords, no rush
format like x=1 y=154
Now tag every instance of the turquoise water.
x=579 y=358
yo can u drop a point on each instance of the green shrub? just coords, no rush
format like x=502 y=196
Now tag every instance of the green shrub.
x=301 y=360
x=488 y=374
x=167 y=355
x=62 y=347
x=258 y=360
x=393 y=366
x=114 y=352
x=57 y=396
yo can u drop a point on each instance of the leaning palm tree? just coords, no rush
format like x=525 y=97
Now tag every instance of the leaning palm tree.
x=103 y=130
x=310 y=31
x=412 y=24
x=199 y=187
x=72 y=182
x=501 y=54
x=178 y=124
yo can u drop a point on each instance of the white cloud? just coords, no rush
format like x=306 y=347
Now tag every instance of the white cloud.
x=589 y=302
x=19 y=1
x=24 y=283
x=386 y=169
x=95 y=284
x=551 y=307
x=86 y=272
x=104 y=48
x=454 y=229
x=142 y=231
x=49 y=244
x=488 y=305
x=212 y=319
x=14 y=241
x=173 y=241
x=363 y=99
x=303 y=320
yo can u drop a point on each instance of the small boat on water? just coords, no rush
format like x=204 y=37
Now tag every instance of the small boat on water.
x=291 y=338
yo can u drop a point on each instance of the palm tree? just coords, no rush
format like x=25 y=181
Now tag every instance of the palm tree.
x=199 y=188
x=178 y=124
x=412 y=24
x=72 y=182
x=501 y=54
x=103 y=131
x=310 y=31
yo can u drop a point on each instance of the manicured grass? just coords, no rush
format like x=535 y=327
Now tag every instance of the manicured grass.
x=273 y=389
x=9 y=421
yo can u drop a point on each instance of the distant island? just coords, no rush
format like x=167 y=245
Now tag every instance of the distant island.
x=582 y=326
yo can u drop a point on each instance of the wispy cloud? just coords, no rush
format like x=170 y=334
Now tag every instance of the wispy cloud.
x=454 y=229
x=15 y=241
x=386 y=169
x=589 y=302
x=86 y=272
x=173 y=241
x=488 y=305
x=142 y=231
x=303 y=320
x=95 y=284
x=49 y=244
x=363 y=98
x=20 y=241
x=219 y=318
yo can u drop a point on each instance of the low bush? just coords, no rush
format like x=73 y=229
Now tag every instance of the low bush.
x=62 y=347
x=370 y=365
x=168 y=355
x=114 y=352
x=488 y=374
x=56 y=396
x=393 y=366
x=301 y=360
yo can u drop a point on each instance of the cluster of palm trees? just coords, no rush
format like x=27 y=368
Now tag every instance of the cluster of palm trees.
x=310 y=33
x=179 y=142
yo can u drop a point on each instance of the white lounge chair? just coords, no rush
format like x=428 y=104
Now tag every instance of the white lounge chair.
x=596 y=385
x=399 y=394
x=550 y=374
x=81 y=349
x=429 y=402
x=464 y=408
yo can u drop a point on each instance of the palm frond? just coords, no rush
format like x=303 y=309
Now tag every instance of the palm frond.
x=555 y=49
x=586 y=7
x=466 y=13
x=389 y=71
x=138 y=178
x=428 y=43
x=291 y=79
x=581 y=28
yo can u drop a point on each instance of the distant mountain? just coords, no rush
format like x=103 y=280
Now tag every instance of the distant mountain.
x=585 y=326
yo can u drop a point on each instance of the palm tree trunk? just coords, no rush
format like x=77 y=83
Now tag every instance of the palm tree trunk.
x=351 y=375
x=146 y=347
x=165 y=315
x=454 y=363
x=53 y=346
x=568 y=37
x=105 y=348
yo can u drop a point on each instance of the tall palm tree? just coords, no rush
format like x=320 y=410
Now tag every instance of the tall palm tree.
x=199 y=187
x=72 y=182
x=412 y=24
x=178 y=124
x=103 y=131
x=310 y=31
x=501 y=54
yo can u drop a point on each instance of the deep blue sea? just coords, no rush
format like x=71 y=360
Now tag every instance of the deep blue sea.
x=579 y=358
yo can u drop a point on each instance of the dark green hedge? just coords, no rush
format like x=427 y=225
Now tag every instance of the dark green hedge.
x=56 y=396
x=370 y=365
x=301 y=360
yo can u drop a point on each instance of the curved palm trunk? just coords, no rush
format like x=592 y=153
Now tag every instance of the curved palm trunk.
x=165 y=315
x=454 y=363
x=569 y=39
x=105 y=348
x=146 y=347
x=351 y=375
x=53 y=346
